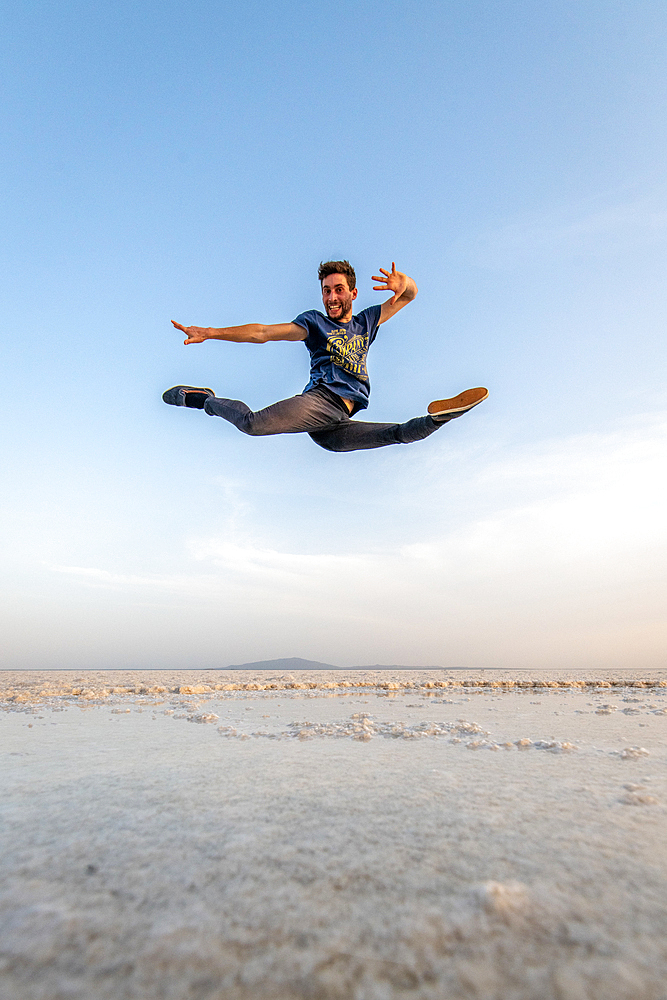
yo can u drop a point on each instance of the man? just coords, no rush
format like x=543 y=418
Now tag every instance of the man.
x=339 y=386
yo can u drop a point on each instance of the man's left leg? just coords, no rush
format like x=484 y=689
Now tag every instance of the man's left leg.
x=361 y=435
x=358 y=435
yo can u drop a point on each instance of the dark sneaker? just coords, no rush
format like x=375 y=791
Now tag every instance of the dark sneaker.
x=447 y=409
x=187 y=395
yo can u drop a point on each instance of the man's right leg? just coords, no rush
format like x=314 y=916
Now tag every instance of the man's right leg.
x=309 y=411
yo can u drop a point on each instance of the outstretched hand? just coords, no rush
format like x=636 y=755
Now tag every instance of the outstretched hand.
x=393 y=281
x=194 y=334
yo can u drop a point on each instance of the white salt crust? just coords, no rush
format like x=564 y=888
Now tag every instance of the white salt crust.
x=357 y=835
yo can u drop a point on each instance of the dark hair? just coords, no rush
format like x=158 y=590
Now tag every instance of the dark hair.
x=338 y=267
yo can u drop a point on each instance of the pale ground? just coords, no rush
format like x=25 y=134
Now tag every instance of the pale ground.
x=362 y=841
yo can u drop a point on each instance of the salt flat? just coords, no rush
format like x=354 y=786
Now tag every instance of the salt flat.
x=334 y=835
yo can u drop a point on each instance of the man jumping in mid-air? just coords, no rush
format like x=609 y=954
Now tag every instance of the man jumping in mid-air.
x=339 y=386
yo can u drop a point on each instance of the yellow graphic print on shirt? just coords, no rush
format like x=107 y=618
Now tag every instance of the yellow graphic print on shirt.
x=349 y=355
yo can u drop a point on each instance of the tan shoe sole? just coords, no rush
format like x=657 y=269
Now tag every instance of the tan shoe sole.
x=458 y=404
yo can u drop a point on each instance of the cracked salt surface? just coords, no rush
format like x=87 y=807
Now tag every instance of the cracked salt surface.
x=333 y=836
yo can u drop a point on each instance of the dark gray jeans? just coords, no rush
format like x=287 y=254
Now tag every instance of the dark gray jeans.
x=322 y=415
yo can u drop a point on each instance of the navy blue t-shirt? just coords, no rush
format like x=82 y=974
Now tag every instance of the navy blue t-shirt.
x=338 y=352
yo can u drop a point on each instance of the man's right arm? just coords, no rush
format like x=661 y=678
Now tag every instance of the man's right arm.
x=251 y=333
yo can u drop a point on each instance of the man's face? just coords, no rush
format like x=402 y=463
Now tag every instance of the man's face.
x=338 y=298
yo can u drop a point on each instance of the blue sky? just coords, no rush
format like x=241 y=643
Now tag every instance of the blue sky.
x=196 y=162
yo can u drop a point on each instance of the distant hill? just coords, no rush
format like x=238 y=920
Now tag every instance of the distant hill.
x=297 y=663
x=287 y=663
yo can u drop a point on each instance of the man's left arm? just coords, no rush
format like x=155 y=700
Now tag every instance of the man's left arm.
x=403 y=288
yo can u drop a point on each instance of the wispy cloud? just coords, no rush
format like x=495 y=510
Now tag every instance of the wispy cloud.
x=582 y=230
x=103 y=579
x=264 y=563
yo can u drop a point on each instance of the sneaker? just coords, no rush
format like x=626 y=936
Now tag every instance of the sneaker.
x=447 y=409
x=187 y=395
